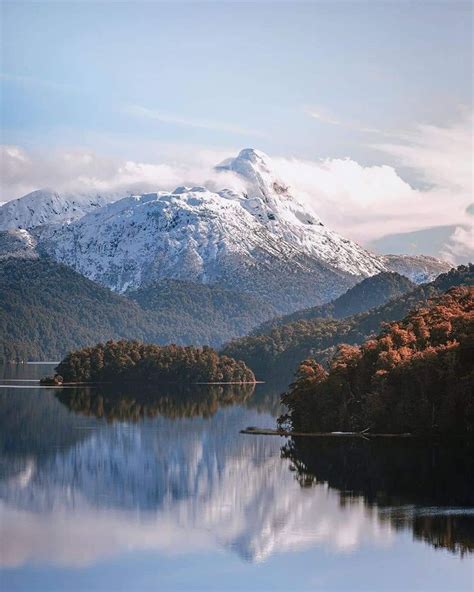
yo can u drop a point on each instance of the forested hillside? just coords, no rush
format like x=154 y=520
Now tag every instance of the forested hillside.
x=416 y=376
x=367 y=294
x=279 y=352
x=47 y=309
x=224 y=312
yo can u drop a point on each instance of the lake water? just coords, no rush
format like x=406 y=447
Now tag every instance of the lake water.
x=103 y=490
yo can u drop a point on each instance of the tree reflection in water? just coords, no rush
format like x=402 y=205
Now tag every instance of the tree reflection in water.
x=134 y=403
x=426 y=486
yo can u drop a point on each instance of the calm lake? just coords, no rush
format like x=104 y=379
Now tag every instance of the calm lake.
x=121 y=490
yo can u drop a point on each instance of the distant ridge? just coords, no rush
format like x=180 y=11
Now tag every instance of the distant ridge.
x=369 y=293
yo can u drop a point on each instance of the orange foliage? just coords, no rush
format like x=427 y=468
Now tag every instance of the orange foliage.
x=416 y=375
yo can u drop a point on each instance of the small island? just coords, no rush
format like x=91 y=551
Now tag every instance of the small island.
x=133 y=361
x=56 y=380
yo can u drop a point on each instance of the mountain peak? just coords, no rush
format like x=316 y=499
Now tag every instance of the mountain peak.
x=267 y=196
x=253 y=155
x=256 y=169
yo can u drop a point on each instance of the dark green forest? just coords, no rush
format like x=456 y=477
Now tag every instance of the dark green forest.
x=217 y=312
x=118 y=361
x=47 y=309
x=416 y=376
x=278 y=353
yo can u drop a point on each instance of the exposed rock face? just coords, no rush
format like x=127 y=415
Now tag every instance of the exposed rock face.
x=18 y=244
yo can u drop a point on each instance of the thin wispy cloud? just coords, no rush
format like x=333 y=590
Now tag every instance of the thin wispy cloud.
x=159 y=116
x=440 y=155
x=323 y=115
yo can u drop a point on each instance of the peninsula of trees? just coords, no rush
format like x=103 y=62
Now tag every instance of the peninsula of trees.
x=118 y=361
x=416 y=376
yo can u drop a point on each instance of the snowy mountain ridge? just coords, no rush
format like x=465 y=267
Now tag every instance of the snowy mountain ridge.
x=260 y=240
x=46 y=206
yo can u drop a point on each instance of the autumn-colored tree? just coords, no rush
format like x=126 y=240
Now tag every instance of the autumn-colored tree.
x=417 y=375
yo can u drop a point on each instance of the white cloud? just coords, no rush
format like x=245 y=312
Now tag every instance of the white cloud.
x=322 y=115
x=460 y=246
x=440 y=156
x=86 y=171
x=368 y=202
x=143 y=112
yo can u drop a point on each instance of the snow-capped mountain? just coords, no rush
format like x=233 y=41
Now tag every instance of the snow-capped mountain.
x=271 y=202
x=190 y=234
x=259 y=240
x=46 y=206
x=417 y=268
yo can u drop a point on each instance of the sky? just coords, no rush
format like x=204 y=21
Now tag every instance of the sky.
x=364 y=105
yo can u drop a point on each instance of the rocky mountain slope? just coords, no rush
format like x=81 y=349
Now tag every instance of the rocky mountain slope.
x=18 y=244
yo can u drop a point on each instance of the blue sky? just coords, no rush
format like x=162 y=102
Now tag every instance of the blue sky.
x=225 y=73
x=161 y=82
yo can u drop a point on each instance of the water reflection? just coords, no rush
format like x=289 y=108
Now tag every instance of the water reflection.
x=134 y=402
x=89 y=474
x=426 y=486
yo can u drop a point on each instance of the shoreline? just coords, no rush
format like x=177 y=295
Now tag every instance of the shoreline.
x=286 y=434
x=69 y=384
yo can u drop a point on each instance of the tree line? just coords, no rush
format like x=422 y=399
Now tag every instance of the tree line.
x=48 y=309
x=370 y=293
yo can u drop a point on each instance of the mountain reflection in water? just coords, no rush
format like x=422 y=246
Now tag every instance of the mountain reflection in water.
x=88 y=474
